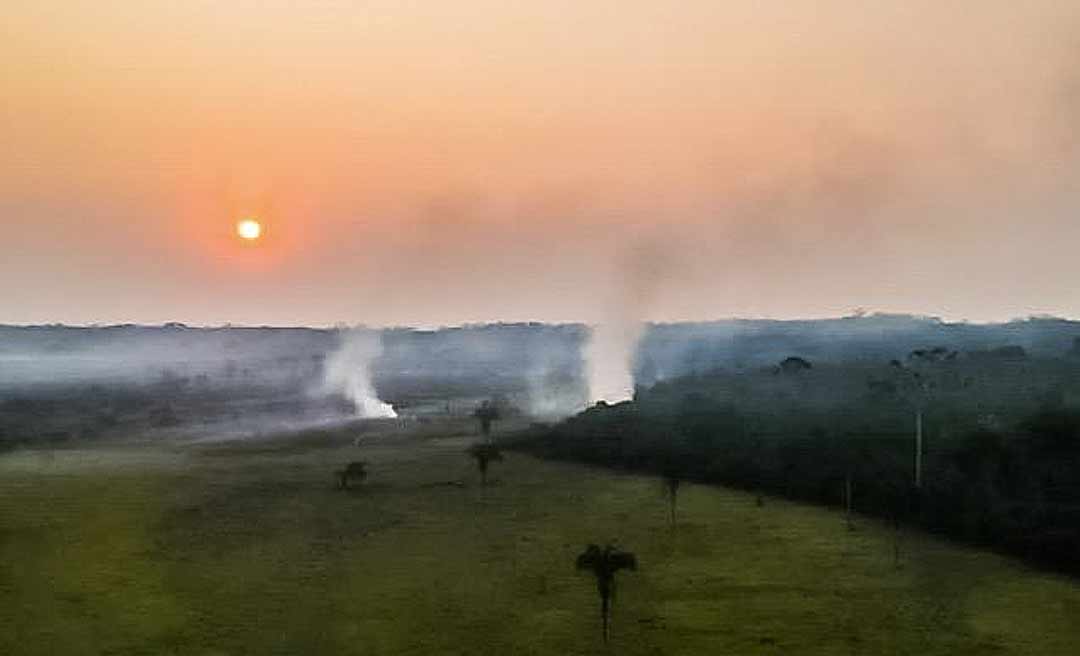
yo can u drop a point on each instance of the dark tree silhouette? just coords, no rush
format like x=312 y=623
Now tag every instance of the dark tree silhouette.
x=848 y=491
x=902 y=500
x=849 y=457
x=484 y=454
x=793 y=365
x=164 y=416
x=354 y=471
x=672 y=482
x=759 y=470
x=604 y=563
x=487 y=413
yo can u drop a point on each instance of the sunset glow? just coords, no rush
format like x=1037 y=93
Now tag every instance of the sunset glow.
x=762 y=152
x=280 y=280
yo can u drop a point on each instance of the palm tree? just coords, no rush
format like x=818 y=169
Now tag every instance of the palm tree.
x=902 y=498
x=354 y=471
x=484 y=454
x=918 y=383
x=847 y=500
x=672 y=481
x=758 y=460
x=604 y=563
x=487 y=413
x=849 y=457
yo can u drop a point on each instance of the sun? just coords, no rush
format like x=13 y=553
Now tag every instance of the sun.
x=249 y=229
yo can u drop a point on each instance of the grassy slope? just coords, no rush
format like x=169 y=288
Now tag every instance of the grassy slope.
x=251 y=550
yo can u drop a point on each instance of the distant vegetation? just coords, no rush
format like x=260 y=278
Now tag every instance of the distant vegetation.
x=484 y=454
x=967 y=430
x=62 y=383
x=487 y=413
x=354 y=472
x=982 y=446
x=604 y=564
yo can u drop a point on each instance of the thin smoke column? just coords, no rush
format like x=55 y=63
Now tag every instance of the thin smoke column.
x=611 y=352
x=348 y=371
x=609 y=358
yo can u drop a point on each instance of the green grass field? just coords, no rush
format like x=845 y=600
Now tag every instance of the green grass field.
x=250 y=549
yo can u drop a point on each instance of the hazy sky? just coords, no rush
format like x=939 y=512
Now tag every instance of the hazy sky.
x=448 y=161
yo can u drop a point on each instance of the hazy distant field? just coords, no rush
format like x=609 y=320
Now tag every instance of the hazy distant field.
x=249 y=549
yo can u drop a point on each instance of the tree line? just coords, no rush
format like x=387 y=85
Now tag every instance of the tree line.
x=921 y=443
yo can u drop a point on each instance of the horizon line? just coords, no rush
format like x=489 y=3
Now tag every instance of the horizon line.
x=342 y=326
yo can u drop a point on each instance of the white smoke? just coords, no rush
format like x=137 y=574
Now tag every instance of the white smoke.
x=348 y=371
x=609 y=358
x=555 y=391
x=611 y=351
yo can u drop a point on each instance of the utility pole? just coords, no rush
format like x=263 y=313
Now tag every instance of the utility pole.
x=847 y=500
x=917 y=390
x=918 y=447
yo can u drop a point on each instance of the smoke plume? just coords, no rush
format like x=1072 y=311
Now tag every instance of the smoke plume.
x=609 y=357
x=556 y=384
x=348 y=371
x=611 y=352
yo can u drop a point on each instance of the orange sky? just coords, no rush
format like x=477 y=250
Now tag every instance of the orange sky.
x=443 y=162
